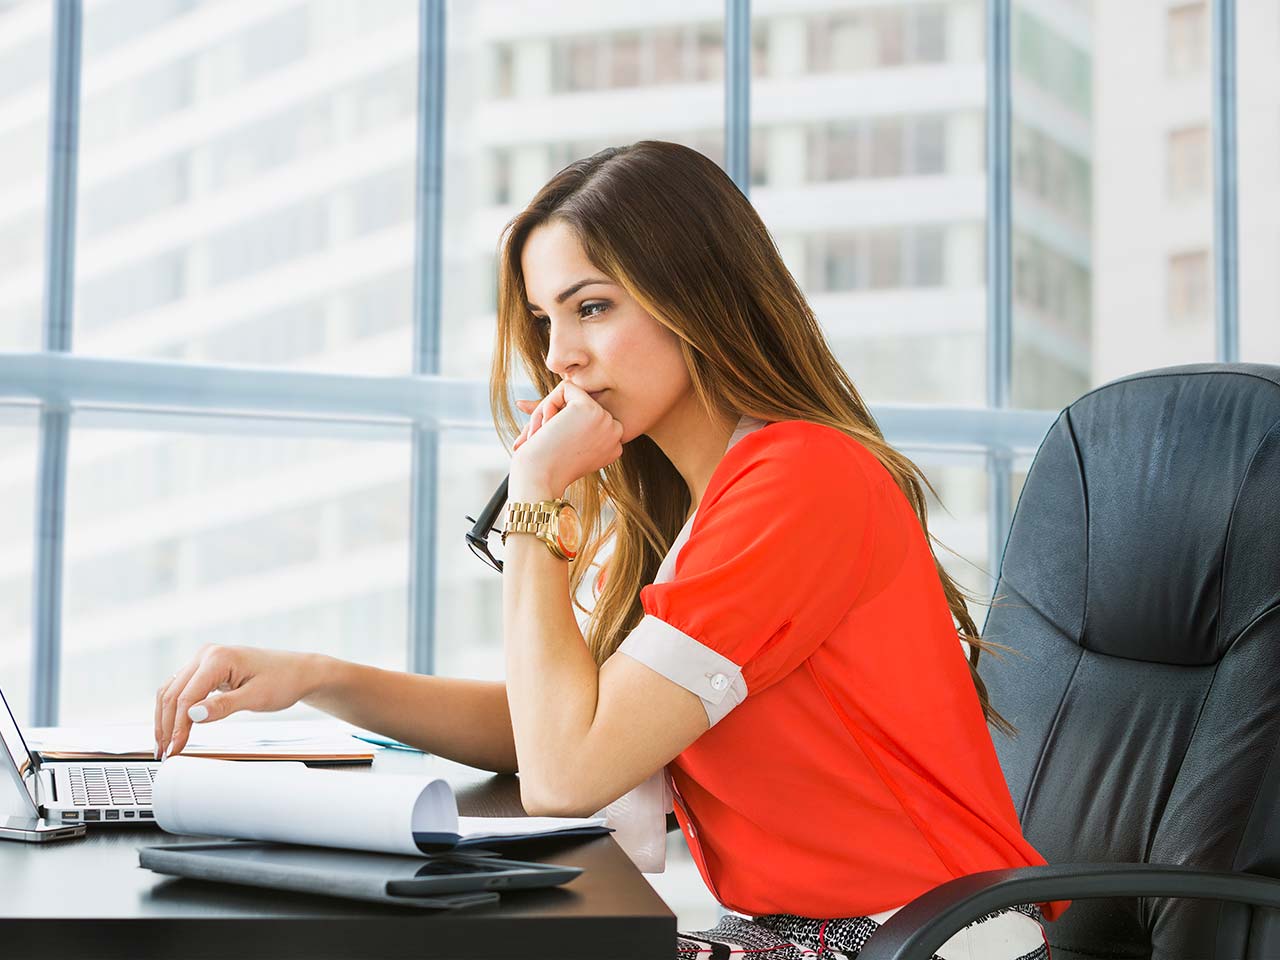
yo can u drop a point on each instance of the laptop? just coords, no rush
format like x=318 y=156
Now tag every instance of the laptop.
x=67 y=791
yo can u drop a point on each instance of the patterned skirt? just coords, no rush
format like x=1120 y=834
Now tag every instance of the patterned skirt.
x=1010 y=934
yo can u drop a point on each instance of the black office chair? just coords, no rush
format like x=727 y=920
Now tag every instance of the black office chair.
x=1141 y=586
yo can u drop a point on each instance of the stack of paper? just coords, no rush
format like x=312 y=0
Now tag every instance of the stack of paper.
x=313 y=741
x=288 y=803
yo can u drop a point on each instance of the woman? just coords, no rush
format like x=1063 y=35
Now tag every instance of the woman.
x=789 y=660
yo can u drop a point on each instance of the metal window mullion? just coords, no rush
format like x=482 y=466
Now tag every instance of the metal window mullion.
x=59 y=290
x=424 y=479
x=999 y=268
x=737 y=110
x=1226 y=249
x=737 y=93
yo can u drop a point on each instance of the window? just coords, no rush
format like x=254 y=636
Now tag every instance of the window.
x=576 y=65
x=175 y=538
x=1051 y=60
x=214 y=179
x=625 y=53
x=246 y=198
x=692 y=53
x=24 y=145
x=1052 y=172
x=927 y=257
x=1258 y=172
x=850 y=149
x=19 y=450
x=1188 y=163
x=1109 y=155
x=835 y=151
x=929 y=34
x=1188 y=285
x=928 y=146
x=503 y=71
x=877 y=259
x=669 y=56
x=500 y=189
x=850 y=41
x=1186 y=38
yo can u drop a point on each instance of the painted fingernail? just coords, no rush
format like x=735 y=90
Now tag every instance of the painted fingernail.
x=167 y=750
x=198 y=713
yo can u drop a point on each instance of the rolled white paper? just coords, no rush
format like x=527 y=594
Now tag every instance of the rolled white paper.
x=290 y=803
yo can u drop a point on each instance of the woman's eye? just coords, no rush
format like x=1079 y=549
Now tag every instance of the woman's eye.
x=586 y=310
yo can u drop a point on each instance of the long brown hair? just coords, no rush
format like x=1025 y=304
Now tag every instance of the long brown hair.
x=749 y=338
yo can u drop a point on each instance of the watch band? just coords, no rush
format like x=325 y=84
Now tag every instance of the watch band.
x=529 y=517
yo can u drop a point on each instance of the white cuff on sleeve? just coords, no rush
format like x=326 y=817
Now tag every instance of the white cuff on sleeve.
x=683 y=660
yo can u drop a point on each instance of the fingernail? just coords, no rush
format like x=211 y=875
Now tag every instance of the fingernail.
x=167 y=750
x=199 y=713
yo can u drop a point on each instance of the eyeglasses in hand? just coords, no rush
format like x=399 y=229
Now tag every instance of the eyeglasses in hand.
x=478 y=535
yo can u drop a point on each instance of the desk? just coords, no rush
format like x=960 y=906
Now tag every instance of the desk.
x=89 y=898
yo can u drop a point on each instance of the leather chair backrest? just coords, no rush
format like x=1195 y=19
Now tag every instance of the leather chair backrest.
x=1140 y=586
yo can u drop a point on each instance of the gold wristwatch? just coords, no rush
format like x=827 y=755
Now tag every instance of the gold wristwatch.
x=554 y=522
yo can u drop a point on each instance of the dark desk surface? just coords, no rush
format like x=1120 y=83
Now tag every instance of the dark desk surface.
x=89 y=898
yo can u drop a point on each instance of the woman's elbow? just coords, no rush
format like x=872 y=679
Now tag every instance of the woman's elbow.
x=548 y=803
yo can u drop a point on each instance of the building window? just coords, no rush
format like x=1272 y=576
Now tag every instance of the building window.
x=1051 y=61
x=928 y=257
x=929 y=35
x=624 y=56
x=1051 y=173
x=1188 y=287
x=1186 y=39
x=693 y=53
x=881 y=259
x=668 y=55
x=759 y=156
x=1049 y=285
x=876 y=147
x=928 y=145
x=1187 y=169
x=582 y=65
x=886 y=147
x=710 y=53
x=500 y=186
x=835 y=151
x=848 y=42
x=504 y=71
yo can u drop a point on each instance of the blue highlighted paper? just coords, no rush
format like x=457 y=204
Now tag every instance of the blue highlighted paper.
x=380 y=741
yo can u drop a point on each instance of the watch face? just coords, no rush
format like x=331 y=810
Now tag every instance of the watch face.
x=568 y=530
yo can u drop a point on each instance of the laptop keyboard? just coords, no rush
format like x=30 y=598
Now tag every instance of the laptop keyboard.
x=111 y=785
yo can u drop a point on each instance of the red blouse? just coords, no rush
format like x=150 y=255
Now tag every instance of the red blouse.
x=848 y=767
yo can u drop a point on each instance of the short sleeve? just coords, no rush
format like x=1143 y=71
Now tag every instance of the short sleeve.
x=777 y=555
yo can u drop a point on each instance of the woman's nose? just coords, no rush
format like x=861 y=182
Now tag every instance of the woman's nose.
x=563 y=352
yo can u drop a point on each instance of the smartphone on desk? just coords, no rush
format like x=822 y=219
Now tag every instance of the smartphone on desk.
x=446 y=873
x=37 y=831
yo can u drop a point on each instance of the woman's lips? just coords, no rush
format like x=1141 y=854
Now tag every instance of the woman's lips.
x=598 y=393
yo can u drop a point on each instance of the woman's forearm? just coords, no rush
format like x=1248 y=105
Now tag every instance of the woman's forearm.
x=552 y=678
x=468 y=721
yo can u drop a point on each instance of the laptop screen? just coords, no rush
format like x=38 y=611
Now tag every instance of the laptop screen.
x=22 y=758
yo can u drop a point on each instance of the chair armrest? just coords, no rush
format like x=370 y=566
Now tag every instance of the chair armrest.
x=931 y=919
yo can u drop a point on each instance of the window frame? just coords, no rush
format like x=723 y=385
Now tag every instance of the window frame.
x=61 y=382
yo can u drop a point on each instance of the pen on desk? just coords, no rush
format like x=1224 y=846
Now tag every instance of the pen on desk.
x=387 y=742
